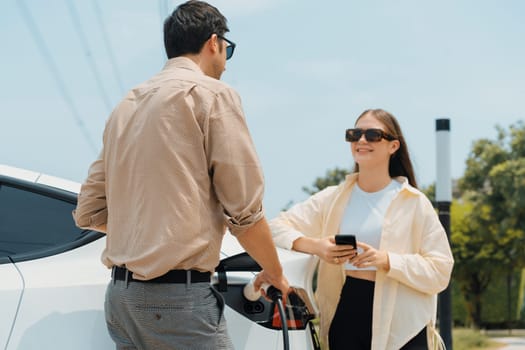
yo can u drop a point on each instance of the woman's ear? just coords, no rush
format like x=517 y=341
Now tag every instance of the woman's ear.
x=394 y=146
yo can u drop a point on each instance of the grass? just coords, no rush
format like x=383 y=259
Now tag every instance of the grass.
x=470 y=339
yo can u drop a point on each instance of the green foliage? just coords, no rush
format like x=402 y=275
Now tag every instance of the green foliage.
x=473 y=252
x=496 y=307
x=494 y=300
x=508 y=185
x=521 y=298
x=501 y=164
x=517 y=143
x=484 y=156
x=333 y=177
x=488 y=224
x=460 y=317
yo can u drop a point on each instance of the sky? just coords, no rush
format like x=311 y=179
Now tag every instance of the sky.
x=304 y=70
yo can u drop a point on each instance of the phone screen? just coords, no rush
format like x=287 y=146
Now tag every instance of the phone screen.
x=346 y=239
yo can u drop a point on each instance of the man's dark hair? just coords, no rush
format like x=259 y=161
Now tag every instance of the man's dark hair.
x=190 y=25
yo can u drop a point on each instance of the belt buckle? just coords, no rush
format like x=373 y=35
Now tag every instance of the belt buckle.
x=188 y=278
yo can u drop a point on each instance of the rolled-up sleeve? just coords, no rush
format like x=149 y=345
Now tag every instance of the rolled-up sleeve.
x=303 y=219
x=233 y=163
x=91 y=210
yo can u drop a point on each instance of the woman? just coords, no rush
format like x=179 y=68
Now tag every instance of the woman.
x=382 y=295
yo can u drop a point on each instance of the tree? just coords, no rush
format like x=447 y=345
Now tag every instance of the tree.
x=473 y=249
x=494 y=183
x=333 y=177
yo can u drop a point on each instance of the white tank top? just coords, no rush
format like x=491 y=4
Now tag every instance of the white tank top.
x=364 y=215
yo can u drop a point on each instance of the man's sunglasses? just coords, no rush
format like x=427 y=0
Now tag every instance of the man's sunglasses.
x=371 y=135
x=229 y=48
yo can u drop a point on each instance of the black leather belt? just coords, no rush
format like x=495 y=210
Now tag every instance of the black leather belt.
x=172 y=276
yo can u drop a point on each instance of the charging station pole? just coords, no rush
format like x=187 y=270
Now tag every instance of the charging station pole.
x=444 y=200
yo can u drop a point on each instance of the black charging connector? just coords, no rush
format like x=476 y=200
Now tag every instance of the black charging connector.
x=274 y=294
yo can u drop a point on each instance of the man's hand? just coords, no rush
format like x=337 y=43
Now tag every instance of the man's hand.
x=258 y=243
x=279 y=282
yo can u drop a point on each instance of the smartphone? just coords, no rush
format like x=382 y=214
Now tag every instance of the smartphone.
x=346 y=239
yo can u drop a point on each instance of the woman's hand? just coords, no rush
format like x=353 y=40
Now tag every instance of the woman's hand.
x=325 y=248
x=332 y=253
x=371 y=257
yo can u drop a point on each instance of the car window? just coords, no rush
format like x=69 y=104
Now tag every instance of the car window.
x=32 y=221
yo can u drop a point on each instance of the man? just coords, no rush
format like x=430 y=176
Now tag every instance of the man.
x=178 y=165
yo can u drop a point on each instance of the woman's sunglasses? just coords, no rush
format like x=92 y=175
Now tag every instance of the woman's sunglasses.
x=371 y=135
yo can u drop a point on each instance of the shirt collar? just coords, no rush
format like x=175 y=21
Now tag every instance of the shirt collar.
x=405 y=186
x=183 y=63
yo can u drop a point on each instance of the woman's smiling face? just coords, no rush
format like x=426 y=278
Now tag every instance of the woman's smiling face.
x=369 y=154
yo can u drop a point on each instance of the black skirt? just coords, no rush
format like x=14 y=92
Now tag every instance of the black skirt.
x=351 y=327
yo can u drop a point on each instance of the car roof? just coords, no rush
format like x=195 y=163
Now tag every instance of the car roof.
x=32 y=176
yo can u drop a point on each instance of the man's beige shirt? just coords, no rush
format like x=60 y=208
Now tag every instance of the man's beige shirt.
x=177 y=166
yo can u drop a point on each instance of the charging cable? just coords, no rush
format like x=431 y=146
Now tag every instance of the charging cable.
x=276 y=296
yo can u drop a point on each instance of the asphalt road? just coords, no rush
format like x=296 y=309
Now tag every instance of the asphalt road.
x=513 y=343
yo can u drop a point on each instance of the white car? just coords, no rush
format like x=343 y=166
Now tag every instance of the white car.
x=52 y=283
